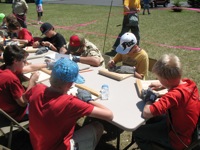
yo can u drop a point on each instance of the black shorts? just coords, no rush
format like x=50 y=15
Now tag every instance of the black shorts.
x=40 y=14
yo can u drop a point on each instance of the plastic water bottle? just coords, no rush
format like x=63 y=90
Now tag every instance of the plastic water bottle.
x=104 y=92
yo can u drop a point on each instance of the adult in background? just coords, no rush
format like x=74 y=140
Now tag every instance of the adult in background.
x=20 y=9
x=53 y=113
x=134 y=59
x=39 y=10
x=55 y=41
x=84 y=51
x=130 y=22
x=173 y=117
x=11 y=89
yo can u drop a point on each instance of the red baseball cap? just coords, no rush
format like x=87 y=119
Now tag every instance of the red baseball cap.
x=75 y=42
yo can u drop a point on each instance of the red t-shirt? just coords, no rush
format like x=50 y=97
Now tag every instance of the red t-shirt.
x=53 y=117
x=10 y=90
x=184 y=105
x=24 y=34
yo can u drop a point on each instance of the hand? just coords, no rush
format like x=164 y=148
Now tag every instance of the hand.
x=111 y=64
x=34 y=77
x=84 y=95
x=50 y=63
x=125 y=69
x=156 y=86
x=76 y=58
x=43 y=43
x=149 y=95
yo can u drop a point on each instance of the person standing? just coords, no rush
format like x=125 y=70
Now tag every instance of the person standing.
x=131 y=9
x=20 y=8
x=146 y=6
x=39 y=10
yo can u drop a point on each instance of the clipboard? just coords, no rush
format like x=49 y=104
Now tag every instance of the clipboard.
x=43 y=76
x=144 y=84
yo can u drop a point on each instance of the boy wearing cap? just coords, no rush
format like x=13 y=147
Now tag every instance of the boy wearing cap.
x=173 y=117
x=55 y=41
x=130 y=54
x=84 y=51
x=53 y=113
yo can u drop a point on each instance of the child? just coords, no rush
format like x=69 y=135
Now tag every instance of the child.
x=178 y=110
x=24 y=36
x=134 y=58
x=39 y=10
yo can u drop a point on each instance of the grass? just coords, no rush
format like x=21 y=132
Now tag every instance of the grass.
x=161 y=31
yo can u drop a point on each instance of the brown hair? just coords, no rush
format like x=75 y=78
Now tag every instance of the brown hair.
x=14 y=25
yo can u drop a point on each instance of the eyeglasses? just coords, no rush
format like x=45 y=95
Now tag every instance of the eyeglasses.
x=24 y=61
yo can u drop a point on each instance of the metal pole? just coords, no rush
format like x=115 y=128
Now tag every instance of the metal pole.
x=107 y=26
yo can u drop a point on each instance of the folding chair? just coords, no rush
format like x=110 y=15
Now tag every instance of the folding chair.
x=151 y=63
x=9 y=125
x=195 y=145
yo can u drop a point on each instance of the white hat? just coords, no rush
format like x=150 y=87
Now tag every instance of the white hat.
x=127 y=41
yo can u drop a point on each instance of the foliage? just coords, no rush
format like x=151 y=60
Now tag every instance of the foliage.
x=177 y=3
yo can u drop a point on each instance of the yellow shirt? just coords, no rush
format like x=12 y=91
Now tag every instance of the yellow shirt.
x=139 y=59
x=132 y=4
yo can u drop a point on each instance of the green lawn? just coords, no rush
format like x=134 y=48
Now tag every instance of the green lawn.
x=161 y=32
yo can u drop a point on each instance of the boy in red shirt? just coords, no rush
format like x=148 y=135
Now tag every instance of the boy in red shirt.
x=11 y=89
x=23 y=35
x=53 y=113
x=178 y=110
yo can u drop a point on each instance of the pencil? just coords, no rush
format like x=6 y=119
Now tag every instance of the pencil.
x=86 y=70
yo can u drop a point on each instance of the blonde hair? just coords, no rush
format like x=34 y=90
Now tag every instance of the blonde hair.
x=168 y=67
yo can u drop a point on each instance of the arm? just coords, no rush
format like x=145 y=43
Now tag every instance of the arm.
x=146 y=111
x=33 y=67
x=112 y=63
x=22 y=101
x=126 y=8
x=21 y=41
x=93 y=61
x=25 y=5
x=156 y=86
x=63 y=50
x=101 y=111
x=139 y=76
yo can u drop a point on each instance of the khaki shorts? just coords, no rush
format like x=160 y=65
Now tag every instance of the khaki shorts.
x=87 y=137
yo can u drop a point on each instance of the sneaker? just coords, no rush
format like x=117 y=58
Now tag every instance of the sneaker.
x=39 y=22
x=111 y=53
